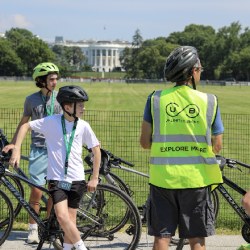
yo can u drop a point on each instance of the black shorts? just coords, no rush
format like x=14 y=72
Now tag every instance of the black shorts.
x=73 y=196
x=190 y=209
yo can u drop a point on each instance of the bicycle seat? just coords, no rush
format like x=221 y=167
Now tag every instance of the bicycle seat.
x=104 y=166
x=221 y=161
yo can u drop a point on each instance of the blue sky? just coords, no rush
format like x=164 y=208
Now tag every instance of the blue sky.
x=79 y=19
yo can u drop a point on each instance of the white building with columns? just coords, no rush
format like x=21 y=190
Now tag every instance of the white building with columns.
x=100 y=55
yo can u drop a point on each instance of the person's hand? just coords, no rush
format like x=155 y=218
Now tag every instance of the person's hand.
x=91 y=187
x=15 y=158
x=8 y=148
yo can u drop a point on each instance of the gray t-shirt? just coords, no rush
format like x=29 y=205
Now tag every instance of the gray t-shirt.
x=35 y=108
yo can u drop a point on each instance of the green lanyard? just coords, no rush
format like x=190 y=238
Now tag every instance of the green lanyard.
x=67 y=145
x=52 y=103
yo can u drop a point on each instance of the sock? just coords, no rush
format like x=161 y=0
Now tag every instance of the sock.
x=80 y=245
x=67 y=246
x=33 y=225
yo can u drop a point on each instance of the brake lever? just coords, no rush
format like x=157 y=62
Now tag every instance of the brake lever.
x=231 y=165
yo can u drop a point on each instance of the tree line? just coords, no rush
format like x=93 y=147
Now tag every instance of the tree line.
x=224 y=54
x=21 y=51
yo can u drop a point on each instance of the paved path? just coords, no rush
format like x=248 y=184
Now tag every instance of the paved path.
x=17 y=241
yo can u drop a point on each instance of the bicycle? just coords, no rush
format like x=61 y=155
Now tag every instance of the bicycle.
x=17 y=184
x=96 y=219
x=113 y=179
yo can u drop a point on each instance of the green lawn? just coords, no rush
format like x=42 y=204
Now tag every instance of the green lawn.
x=126 y=97
x=120 y=131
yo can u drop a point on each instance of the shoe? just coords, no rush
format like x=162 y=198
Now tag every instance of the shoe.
x=33 y=236
x=244 y=247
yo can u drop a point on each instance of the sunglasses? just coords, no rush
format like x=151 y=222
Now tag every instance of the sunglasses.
x=201 y=69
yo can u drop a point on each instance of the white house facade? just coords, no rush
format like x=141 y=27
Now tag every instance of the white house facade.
x=100 y=55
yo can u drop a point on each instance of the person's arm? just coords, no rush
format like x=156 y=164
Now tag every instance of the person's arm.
x=24 y=120
x=217 y=143
x=96 y=165
x=15 y=158
x=146 y=135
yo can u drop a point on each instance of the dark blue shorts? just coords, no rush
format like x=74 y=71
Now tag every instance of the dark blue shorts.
x=189 y=209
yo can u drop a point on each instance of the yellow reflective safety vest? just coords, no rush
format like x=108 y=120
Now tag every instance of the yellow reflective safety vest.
x=181 y=151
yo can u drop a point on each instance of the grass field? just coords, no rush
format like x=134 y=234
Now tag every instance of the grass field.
x=123 y=137
x=126 y=97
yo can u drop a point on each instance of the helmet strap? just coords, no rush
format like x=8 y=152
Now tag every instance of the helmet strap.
x=74 y=114
x=193 y=82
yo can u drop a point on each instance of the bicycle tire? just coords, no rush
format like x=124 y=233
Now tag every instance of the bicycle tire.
x=6 y=216
x=120 y=182
x=19 y=187
x=114 y=202
x=123 y=186
x=215 y=199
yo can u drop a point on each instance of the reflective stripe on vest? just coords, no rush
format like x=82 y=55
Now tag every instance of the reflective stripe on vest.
x=157 y=137
x=182 y=160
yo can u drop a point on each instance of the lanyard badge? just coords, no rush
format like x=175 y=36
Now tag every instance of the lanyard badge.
x=67 y=145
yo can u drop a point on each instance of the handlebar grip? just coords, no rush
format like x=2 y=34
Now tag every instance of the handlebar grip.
x=2 y=132
x=243 y=164
x=127 y=163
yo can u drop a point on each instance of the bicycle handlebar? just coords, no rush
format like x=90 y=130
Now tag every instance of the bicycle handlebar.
x=232 y=162
x=114 y=157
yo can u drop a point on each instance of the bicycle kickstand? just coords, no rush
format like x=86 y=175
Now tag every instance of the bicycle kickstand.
x=180 y=244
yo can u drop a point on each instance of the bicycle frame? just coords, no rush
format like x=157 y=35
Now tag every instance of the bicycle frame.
x=243 y=215
x=18 y=196
x=20 y=172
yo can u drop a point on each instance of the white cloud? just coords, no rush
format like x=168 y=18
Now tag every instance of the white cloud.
x=16 y=20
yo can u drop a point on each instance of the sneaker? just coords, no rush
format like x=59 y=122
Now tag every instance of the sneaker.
x=244 y=247
x=33 y=236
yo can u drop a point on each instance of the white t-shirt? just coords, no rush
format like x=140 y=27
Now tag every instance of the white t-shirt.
x=51 y=127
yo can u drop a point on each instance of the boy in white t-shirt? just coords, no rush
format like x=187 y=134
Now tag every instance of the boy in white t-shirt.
x=65 y=136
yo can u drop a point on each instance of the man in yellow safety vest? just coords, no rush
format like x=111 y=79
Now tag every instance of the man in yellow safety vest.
x=183 y=129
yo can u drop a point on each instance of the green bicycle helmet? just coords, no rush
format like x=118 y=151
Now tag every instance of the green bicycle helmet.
x=44 y=69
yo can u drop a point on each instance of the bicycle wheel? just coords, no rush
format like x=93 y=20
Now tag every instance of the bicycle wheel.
x=119 y=181
x=215 y=199
x=111 y=204
x=19 y=187
x=123 y=186
x=6 y=216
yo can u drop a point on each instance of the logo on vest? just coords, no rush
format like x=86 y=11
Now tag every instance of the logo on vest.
x=191 y=110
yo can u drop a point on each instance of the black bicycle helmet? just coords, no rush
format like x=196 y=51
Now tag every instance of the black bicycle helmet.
x=72 y=94
x=179 y=64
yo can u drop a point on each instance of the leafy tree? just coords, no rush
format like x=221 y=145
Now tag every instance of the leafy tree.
x=74 y=55
x=34 y=51
x=64 y=71
x=87 y=67
x=136 y=49
x=16 y=36
x=245 y=62
x=117 y=69
x=125 y=58
x=10 y=63
x=60 y=55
